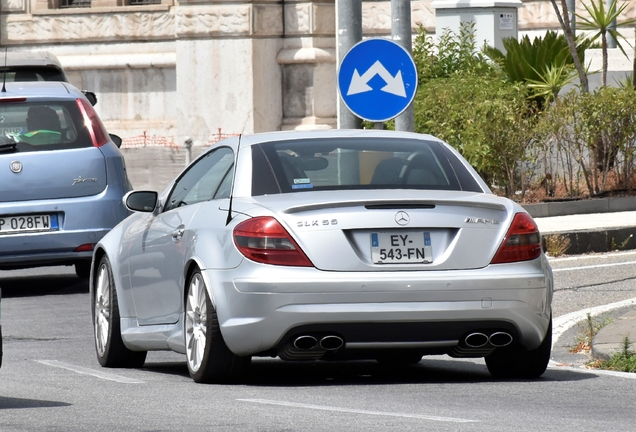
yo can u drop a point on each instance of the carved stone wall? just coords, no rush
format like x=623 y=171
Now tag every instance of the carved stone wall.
x=198 y=65
x=106 y=27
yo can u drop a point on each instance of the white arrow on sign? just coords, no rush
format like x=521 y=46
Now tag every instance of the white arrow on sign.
x=394 y=84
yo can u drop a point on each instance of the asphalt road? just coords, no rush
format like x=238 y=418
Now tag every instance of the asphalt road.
x=50 y=379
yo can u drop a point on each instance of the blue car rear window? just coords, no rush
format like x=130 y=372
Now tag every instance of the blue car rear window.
x=357 y=163
x=42 y=126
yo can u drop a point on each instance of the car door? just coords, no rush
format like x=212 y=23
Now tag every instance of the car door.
x=157 y=261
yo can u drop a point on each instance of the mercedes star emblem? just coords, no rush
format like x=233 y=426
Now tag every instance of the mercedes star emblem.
x=402 y=218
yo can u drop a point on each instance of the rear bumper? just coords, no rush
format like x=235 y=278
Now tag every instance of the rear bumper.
x=81 y=221
x=376 y=309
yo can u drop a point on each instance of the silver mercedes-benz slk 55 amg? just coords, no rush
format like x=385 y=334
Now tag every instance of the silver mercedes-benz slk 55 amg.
x=324 y=245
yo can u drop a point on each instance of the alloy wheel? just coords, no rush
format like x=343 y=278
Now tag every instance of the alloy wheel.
x=102 y=309
x=196 y=322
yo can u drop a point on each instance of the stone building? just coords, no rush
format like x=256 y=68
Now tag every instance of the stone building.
x=165 y=71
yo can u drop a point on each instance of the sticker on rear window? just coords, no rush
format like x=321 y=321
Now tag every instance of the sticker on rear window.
x=302 y=186
x=302 y=183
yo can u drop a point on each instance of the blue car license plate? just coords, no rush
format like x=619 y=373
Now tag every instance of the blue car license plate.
x=401 y=248
x=28 y=223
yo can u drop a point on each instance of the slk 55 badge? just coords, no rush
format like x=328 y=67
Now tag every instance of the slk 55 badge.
x=317 y=222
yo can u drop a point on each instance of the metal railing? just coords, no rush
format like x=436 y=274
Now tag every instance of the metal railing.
x=146 y=140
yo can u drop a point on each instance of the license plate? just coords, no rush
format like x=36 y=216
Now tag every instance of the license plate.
x=28 y=223
x=401 y=248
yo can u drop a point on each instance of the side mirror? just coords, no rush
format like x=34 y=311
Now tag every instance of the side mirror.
x=141 y=201
x=92 y=98
x=116 y=139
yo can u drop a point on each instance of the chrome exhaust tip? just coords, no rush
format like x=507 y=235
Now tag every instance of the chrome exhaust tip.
x=476 y=340
x=500 y=339
x=331 y=342
x=305 y=342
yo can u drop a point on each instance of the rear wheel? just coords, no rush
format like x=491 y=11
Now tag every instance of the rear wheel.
x=208 y=357
x=111 y=351
x=518 y=362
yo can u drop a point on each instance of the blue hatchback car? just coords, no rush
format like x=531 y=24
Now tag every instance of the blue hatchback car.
x=62 y=177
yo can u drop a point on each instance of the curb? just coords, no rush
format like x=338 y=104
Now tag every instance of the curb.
x=587 y=206
x=608 y=340
x=590 y=241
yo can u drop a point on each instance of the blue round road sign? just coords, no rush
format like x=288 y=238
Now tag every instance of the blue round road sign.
x=377 y=79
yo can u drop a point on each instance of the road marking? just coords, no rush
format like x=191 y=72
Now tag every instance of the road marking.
x=357 y=411
x=594 y=266
x=91 y=372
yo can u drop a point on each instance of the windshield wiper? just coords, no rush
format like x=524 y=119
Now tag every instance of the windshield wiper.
x=8 y=146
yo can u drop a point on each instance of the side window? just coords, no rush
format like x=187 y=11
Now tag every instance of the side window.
x=202 y=182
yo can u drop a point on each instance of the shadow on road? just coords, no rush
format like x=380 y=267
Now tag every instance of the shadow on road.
x=41 y=281
x=13 y=403
x=276 y=373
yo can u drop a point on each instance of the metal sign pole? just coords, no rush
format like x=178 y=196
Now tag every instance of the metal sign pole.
x=402 y=34
x=349 y=33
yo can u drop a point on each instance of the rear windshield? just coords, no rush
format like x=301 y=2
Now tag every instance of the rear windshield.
x=357 y=163
x=32 y=73
x=41 y=126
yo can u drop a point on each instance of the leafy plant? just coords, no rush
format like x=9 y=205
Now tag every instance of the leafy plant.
x=543 y=62
x=454 y=53
x=552 y=81
x=623 y=361
x=556 y=244
x=485 y=118
x=623 y=244
x=601 y=21
x=589 y=328
x=592 y=137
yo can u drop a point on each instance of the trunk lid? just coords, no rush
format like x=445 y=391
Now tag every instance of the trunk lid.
x=41 y=175
x=436 y=230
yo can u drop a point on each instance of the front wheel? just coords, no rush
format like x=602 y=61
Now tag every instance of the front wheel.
x=208 y=357
x=111 y=351
x=518 y=362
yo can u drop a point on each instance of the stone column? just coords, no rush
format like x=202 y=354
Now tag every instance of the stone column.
x=227 y=73
x=308 y=62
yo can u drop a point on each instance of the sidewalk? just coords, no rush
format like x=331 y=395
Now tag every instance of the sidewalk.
x=599 y=232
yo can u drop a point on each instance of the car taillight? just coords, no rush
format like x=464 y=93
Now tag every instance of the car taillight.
x=264 y=240
x=522 y=242
x=93 y=123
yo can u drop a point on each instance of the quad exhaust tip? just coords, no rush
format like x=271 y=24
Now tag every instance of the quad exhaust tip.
x=500 y=339
x=328 y=343
x=497 y=339
x=305 y=342
x=331 y=342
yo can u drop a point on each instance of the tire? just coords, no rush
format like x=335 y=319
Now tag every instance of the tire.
x=208 y=357
x=518 y=362
x=83 y=269
x=110 y=349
